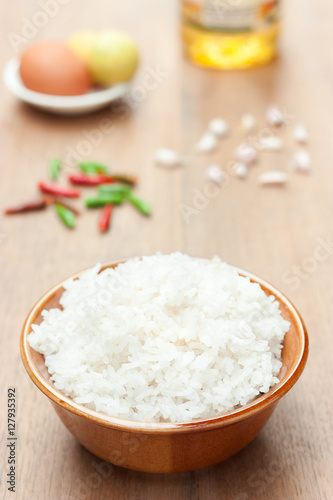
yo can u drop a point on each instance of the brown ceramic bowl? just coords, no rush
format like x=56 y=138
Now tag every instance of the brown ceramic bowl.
x=169 y=447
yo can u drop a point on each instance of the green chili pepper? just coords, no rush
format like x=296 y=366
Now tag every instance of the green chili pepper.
x=141 y=205
x=66 y=215
x=91 y=167
x=103 y=199
x=55 y=164
x=106 y=189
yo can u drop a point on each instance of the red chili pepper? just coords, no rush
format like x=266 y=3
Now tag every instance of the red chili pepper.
x=105 y=218
x=50 y=200
x=27 y=207
x=90 y=180
x=56 y=189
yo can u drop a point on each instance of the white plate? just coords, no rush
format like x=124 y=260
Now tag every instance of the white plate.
x=64 y=105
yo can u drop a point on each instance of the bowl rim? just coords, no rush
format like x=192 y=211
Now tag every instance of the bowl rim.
x=251 y=409
x=12 y=80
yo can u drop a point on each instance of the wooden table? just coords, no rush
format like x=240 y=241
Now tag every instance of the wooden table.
x=282 y=234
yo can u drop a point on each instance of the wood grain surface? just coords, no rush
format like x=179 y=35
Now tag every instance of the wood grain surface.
x=284 y=235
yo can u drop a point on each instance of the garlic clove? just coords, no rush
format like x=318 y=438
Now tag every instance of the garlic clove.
x=301 y=161
x=207 y=143
x=168 y=157
x=215 y=174
x=248 y=123
x=245 y=153
x=301 y=134
x=218 y=127
x=274 y=177
x=274 y=117
x=240 y=169
x=270 y=143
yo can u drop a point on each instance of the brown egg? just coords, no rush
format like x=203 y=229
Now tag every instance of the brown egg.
x=51 y=67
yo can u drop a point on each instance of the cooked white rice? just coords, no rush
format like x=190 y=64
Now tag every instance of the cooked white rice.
x=165 y=338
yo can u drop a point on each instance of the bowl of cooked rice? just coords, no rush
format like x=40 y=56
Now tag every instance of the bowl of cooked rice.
x=164 y=363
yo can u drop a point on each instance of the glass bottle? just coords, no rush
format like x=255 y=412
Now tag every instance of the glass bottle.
x=230 y=33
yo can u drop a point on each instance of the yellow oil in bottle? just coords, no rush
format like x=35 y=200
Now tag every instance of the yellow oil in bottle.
x=230 y=34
